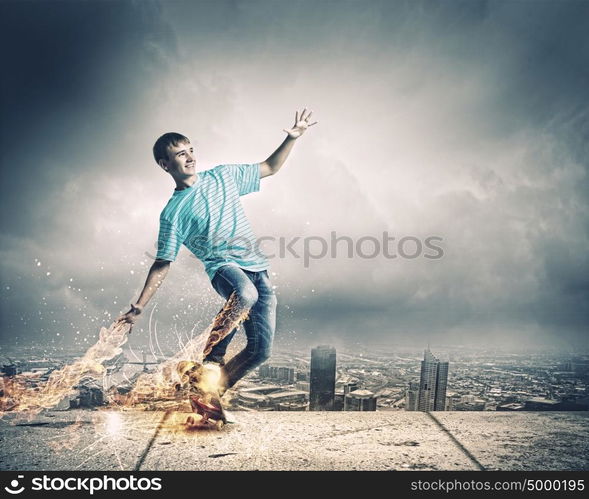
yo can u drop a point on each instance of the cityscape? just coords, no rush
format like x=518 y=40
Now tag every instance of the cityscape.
x=326 y=379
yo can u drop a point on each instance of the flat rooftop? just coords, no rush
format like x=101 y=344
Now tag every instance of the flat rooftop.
x=133 y=440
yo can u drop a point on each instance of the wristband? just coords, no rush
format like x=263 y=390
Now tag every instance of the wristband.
x=137 y=309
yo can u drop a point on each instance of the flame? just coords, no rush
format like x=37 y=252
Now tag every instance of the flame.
x=19 y=396
x=202 y=380
x=159 y=389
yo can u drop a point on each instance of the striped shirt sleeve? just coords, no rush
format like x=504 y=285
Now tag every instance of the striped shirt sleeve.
x=169 y=241
x=247 y=177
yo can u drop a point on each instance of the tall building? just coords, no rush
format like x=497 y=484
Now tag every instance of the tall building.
x=411 y=397
x=433 y=384
x=360 y=400
x=322 y=385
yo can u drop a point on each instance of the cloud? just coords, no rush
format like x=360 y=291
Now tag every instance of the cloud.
x=463 y=120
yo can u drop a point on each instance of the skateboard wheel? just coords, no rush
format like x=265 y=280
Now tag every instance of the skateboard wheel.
x=219 y=425
x=190 y=420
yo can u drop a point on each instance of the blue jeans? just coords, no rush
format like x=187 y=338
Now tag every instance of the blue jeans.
x=255 y=292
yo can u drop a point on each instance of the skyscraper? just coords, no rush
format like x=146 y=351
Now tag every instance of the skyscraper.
x=322 y=389
x=411 y=397
x=441 y=387
x=433 y=384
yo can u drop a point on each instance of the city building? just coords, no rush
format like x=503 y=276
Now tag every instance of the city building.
x=475 y=405
x=339 y=400
x=433 y=384
x=411 y=397
x=348 y=387
x=280 y=374
x=291 y=406
x=265 y=371
x=510 y=407
x=262 y=389
x=452 y=402
x=272 y=398
x=360 y=400
x=10 y=369
x=322 y=389
x=541 y=404
x=252 y=400
x=285 y=397
x=304 y=386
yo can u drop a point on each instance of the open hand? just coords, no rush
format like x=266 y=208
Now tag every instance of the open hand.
x=130 y=317
x=301 y=124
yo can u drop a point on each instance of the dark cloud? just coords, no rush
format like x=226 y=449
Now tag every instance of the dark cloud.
x=463 y=119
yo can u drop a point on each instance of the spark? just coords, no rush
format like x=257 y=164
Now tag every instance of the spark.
x=133 y=353
x=156 y=339
x=113 y=424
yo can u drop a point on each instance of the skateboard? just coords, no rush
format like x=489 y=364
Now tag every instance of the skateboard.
x=201 y=382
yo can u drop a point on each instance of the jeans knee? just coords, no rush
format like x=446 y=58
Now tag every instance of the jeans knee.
x=248 y=296
x=258 y=353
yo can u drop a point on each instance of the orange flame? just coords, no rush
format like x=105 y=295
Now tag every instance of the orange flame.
x=161 y=386
x=19 y=396
x=158 y=389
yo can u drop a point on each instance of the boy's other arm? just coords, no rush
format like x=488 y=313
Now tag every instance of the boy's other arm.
x=157 y=274
x=278 y=157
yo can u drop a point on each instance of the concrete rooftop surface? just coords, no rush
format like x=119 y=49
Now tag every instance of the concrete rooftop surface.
x=132 y=440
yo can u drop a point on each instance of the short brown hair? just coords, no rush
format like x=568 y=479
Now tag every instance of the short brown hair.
x=160 y=148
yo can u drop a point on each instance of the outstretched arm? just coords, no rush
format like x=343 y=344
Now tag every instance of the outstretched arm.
x=278 y=157
x=157 y=274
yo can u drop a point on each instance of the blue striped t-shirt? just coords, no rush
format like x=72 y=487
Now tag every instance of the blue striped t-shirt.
x=208 y=219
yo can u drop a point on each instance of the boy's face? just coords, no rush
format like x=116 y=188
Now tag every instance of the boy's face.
x=181 y=160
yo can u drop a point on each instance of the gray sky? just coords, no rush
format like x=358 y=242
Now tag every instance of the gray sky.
x=462 y=120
